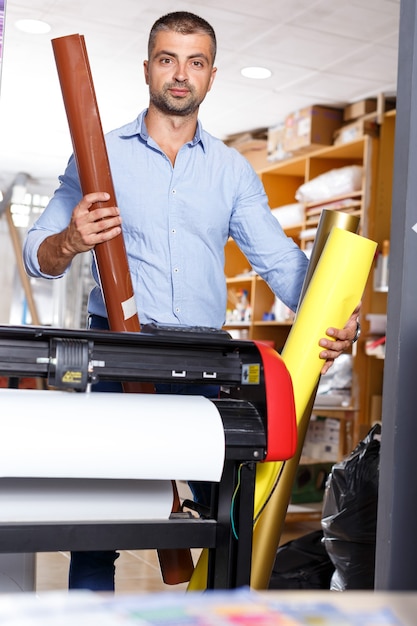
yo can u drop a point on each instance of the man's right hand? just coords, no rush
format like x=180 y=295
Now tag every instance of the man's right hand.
x=88 y=227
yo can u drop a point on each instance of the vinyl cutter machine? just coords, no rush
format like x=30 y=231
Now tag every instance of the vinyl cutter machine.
x=255 y=403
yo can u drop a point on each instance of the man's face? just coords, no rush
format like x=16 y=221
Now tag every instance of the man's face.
x=180 y=72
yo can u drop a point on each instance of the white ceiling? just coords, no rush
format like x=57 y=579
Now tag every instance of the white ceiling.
x=320 y=52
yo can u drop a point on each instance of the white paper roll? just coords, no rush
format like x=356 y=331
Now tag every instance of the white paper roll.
x=87 y=500
x=58 y=434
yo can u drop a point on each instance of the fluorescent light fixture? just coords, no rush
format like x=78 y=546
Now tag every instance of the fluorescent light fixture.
x=256 y=72
x=35 y=27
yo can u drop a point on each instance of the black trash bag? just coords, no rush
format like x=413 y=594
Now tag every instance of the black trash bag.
x=302 y=563
x=349 y=515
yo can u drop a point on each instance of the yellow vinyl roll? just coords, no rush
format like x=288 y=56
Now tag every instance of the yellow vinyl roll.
x=329 y=219
x=267 y=474
x=334 y=291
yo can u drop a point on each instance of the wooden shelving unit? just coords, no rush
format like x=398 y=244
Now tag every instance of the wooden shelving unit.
x=372 y=204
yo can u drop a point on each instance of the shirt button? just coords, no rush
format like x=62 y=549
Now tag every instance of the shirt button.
x=176 y=270
x=173 y=231
x=174 y=191
x=177 y=309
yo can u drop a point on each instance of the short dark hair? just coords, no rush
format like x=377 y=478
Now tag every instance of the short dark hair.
x=184 y=23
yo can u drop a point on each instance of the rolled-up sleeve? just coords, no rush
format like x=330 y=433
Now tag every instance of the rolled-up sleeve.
x=53 y=220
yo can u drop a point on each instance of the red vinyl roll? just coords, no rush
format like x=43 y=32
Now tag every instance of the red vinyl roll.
x=94 y=171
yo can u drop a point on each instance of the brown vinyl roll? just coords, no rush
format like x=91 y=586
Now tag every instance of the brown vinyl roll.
x=94 y=171
x=93 y=166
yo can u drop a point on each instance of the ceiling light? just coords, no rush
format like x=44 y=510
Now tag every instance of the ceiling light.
x=35 y=27
x=256 y=72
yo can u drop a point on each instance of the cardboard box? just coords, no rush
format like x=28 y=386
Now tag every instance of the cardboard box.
x=356 y=130
x=371 y=107
x=255 y=151
x=322 y=439
x=311 y=128
x=276 y=139
x=357 y=109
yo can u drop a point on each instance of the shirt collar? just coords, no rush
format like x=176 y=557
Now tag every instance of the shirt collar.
x=138 y=127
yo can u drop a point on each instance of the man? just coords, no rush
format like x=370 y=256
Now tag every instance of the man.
x=181 y=193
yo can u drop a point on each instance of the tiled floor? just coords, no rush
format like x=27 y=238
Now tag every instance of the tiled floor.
x=137 y=571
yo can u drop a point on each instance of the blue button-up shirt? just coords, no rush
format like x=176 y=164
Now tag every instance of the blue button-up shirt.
x=176 y=222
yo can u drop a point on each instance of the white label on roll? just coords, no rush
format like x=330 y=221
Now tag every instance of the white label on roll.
x=129 y=308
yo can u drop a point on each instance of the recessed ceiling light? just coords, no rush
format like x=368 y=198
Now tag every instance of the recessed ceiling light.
x=256 y=72
x=35 y=27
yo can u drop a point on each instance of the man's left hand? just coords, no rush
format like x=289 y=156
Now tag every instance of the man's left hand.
x=341 y=340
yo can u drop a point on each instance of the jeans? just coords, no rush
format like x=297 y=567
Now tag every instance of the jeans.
x=95 y=570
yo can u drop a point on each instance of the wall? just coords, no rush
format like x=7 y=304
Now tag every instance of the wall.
x=8 y=271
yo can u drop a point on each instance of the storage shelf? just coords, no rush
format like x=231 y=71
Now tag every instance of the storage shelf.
x=335 y=199
x=324 y=408
x=281 y=181
x=239 y=279
x=272 y=323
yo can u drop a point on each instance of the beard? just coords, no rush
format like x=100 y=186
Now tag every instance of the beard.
x=168 y=104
